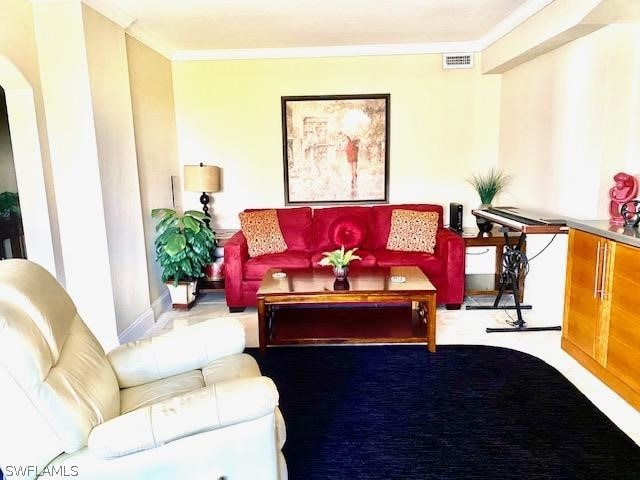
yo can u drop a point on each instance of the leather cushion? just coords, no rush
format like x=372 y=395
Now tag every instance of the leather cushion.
x=348 y=231
x=154 y=392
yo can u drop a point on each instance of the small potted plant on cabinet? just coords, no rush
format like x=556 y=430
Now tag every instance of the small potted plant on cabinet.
x=183 y=247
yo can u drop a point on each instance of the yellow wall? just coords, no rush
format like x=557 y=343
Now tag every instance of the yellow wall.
x=154 y=120
x=66 y=93
x=444 y=124
x=113 y=117
x=570 y=121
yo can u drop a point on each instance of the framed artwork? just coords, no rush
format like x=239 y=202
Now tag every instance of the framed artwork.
x=336 y=149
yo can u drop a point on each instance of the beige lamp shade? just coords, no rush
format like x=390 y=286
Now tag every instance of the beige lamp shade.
x=201 y=178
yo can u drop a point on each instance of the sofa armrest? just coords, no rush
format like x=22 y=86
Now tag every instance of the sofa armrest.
x=178 y=351
x=208 y=408
x=236 y=253
x=451 y=248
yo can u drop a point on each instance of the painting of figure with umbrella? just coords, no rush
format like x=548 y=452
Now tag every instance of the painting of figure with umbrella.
x=336 y=149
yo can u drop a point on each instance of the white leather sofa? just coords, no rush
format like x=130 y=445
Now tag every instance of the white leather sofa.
x=186 y=405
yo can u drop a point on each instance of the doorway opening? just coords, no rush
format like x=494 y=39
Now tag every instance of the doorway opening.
x=12 y=243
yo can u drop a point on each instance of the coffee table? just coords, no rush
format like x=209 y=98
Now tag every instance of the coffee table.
x=314 y=293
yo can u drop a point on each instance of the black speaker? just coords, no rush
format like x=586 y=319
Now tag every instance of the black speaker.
x=455 y=217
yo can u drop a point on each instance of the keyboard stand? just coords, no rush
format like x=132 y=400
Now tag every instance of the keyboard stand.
x=512 y=263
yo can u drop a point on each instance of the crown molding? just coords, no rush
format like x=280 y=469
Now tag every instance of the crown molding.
x=517 y=17
x=128 y=22
x=113 y=13
x=54 y=1
x=151 y=41
x=317 y=52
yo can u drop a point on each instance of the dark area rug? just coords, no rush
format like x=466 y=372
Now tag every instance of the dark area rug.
x=465 y=412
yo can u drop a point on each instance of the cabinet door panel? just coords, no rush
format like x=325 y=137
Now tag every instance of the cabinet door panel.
x=624 y=362
x=623 y=355
x=581 y=306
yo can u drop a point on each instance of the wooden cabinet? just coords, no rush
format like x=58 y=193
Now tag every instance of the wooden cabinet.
x=602 y=311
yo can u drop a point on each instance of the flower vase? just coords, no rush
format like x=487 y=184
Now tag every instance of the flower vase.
x=341 y=273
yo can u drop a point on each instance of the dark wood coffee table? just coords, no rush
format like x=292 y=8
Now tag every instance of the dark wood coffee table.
x=325 y=312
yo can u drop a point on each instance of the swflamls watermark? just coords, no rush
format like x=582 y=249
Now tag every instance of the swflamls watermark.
x=40 y=472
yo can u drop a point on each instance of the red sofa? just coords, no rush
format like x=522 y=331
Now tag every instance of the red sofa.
x=306 y=233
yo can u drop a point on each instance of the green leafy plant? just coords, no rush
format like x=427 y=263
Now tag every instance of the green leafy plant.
x=339 y=258
x=183 y=244
x=9 y=204
x=491 y=184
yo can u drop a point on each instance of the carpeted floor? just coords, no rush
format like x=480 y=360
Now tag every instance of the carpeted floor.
x=465 y=412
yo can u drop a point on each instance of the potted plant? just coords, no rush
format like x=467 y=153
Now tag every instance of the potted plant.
x=489 y=185
x=9 y=204
x=183 y=247
x=339 y=260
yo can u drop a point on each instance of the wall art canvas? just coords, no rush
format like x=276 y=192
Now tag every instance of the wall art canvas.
x=336 y=149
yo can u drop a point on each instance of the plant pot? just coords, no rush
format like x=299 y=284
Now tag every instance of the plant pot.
x=184 y=295
x=484 y=225
x=341 y=272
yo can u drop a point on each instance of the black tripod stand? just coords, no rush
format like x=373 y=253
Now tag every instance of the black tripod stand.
x=513 y=262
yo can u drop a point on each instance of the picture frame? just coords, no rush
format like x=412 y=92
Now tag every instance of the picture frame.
x=336 y=149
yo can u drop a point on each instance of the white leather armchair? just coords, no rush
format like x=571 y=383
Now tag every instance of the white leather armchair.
x=188 y=404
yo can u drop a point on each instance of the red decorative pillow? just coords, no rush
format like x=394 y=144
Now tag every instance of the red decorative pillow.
x=348 y=231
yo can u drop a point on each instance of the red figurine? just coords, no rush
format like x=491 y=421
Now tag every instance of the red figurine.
x=625 y=189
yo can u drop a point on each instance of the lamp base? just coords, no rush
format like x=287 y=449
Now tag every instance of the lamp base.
x=204 y=200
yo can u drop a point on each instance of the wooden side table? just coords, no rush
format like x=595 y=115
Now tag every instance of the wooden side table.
x=217 y=285
x=489 y=284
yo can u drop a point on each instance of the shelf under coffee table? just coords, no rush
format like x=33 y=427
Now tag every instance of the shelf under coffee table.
x=307 y=306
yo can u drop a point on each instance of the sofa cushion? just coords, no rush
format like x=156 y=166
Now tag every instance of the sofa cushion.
x=295 y=224
x=381 y=222
x=347 y=231
x=367 y=259
x=413 y=231
x=262 y=230
x=428 y=262
x=323 y=219
x=255 y=268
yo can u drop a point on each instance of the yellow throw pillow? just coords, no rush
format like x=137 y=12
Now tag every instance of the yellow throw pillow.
x=413 y=231
x=262 y=230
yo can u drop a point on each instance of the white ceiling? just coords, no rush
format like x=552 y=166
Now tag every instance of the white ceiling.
x=247 y=27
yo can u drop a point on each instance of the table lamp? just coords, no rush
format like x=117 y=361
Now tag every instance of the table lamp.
x=205 y=179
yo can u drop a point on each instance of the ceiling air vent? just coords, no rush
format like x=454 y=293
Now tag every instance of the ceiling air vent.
x=457 y=60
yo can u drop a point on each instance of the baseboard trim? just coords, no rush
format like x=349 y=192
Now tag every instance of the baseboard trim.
x=161 y=305
x=138 y=327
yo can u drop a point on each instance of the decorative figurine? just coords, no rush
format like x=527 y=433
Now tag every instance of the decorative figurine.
x=630 y=212
x=625 y=189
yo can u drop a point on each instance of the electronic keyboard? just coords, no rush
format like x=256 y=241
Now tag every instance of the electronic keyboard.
x=522 y=220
